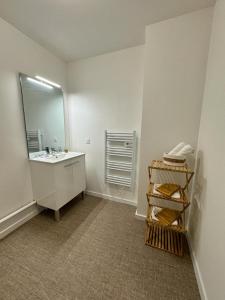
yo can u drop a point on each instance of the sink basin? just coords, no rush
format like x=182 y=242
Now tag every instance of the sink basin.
x=57 y=157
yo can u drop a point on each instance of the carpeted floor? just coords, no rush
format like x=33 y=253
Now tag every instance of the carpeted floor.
x=97 y=252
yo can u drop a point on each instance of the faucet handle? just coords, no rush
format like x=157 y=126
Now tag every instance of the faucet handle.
x=47 y=150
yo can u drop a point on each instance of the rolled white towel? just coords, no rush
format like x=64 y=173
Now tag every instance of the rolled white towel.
x=187 y=149
x=177 y=148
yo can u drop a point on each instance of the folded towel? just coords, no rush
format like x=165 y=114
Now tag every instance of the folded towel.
x=187 y=149
x=177 y=148
x=157 y=210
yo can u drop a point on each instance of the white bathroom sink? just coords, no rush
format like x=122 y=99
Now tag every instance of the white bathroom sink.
x=54 y=158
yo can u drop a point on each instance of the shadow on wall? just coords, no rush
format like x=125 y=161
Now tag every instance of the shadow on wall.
x=198 y=198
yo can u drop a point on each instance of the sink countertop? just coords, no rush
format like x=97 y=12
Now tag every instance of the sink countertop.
x=53 y=159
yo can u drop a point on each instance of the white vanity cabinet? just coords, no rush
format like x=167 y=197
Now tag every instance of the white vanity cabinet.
x=56 y=183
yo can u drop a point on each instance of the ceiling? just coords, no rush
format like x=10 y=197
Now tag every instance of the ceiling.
x=74 y=29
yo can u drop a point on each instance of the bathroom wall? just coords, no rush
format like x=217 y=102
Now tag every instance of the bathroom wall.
x=18 y=53
x=105 y=92
x=207 y=222
x=176 y=53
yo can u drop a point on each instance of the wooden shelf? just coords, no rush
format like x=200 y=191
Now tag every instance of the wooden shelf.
x=162 y=232
x=168 y=216
x=163 y=238
x=179 y=227
x=182 y=200
x=159 y=165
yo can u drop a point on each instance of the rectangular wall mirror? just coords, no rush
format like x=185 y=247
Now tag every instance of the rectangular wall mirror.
x=43 y=108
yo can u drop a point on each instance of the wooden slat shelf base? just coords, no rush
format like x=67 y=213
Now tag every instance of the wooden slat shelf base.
x=163 y=238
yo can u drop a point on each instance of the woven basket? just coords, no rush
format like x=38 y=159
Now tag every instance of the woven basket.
x=174 y=160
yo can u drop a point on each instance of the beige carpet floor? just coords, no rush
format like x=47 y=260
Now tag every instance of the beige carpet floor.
x=96 y=251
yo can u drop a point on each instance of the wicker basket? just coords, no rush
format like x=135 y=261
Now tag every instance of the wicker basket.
x=174 y=160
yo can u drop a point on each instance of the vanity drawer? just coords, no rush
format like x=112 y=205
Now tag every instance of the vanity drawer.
x=71 y=162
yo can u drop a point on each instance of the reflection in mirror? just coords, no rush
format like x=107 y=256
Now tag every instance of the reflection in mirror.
x=44 y=116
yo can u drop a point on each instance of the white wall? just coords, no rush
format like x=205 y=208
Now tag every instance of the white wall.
x=175 y=61
x=18 y=54
x=105 y=92
x=207 y=223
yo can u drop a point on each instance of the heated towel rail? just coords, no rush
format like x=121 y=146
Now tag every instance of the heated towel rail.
x=34 y=140
x=120 y=158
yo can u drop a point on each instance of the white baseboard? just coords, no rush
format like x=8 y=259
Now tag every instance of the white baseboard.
x=16 y=219
x=198 y=274
x=111 y=198
x=140 y=216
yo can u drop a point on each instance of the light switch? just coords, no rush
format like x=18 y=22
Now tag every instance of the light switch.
x=88 y=140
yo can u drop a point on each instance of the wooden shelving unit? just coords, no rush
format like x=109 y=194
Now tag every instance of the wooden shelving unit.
x=166 y=232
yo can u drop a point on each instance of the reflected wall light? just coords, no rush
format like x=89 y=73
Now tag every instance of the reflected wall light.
x=40 y=83
x=48 y=81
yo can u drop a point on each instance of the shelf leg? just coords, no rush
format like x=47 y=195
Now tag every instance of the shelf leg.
x=57 y=215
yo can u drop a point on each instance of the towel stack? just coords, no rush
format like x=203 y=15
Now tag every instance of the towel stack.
x=177 y=156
